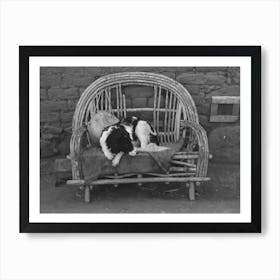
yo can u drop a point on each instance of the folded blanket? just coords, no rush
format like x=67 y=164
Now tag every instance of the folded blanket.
x=95 y=164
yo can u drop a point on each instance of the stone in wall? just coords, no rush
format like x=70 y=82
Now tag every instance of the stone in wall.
x=71 y=105
x=81 y=90
x=49 y=129
x=233 y=90
x=234 y=74
x=114 y=101
x=43 y=94
x=202 y=105
x=197 y=79
x=63 y=146
x=59 y=93
x=128 y=102
x=47 y=148
x=150 y=103
x=146 y=115
x=76 y=80
x=46 y=166
x=138 y=91
x=211 y=69
x=66 y=118
x=224 y=144
x=53 y=106
x=49 y=117
x=201 y=90
x=169 y=74
x=50 y=80
x=93 y=71
x=204 y=122
x=139 y=102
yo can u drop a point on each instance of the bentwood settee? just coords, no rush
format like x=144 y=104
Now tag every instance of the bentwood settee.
x=173 y=115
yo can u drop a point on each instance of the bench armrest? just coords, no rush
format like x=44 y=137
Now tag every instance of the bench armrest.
x=202 y=141
x=76 y=143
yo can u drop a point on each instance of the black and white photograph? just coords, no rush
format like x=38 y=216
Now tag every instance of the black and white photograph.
x=143 y=135
x=139 y=139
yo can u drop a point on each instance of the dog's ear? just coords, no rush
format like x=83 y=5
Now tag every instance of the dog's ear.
x=134 y=120
x=154 y=139
x=127 y=120
x=152 y=129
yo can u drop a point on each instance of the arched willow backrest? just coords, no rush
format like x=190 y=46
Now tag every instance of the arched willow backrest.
x=171 y=103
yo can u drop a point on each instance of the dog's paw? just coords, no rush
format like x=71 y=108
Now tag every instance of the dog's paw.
x=133 y=153
x=115 y=162
x=109 y=156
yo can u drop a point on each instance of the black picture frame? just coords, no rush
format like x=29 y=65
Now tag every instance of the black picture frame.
x=25 y=52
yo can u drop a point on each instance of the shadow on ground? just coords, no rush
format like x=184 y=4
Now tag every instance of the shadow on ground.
x=220 y=195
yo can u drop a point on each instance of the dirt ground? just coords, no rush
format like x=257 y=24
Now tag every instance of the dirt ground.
x=220 y=195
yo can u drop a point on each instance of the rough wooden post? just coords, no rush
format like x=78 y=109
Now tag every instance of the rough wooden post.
x=87 y=193
x=192 y=191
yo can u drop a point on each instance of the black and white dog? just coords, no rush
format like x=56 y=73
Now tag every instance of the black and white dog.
x=125 y=137
x=142 y=131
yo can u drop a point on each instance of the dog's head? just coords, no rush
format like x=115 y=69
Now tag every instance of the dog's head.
x=130 y=120
x=119 y=140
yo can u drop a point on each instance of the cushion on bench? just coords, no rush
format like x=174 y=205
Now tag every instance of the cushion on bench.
x=95 y=164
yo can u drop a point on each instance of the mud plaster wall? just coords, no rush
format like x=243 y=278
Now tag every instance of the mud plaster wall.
x=61 y=87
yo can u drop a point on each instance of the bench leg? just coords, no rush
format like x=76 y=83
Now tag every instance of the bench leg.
x=191 y=191
x=87 y=194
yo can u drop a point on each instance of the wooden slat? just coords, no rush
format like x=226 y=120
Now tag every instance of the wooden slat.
x=163 y=133
x=147 y=180
x=158 y=110
x=137 y=180
x=154 y=108
x=110 y=100
x=182 y=169
x=75 y=182
x=185 y=156
x=165 y=116
x=144 y=110
x=183 y=163
x=171 y=174
x=223 y=118
x=102 y=101
x=121 y=101
x=169 y=118
x=173 y=118
x=124 y=105
x=105 y=100
x=120 y=176
x=184 y=153
x=177 y=121
x=117 y=100
x=225 y=99
x=64 y=164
